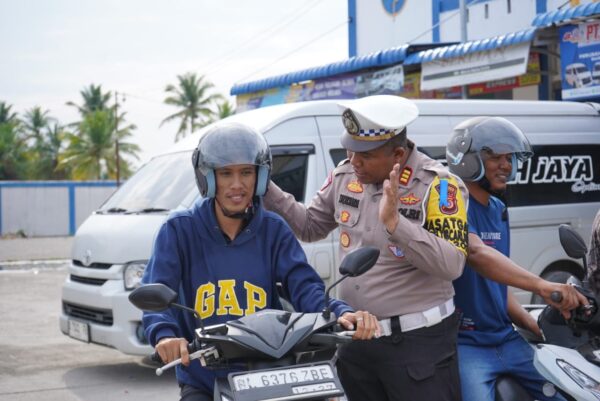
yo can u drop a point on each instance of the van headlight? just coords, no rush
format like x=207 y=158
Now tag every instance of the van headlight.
x=132 y=274
x=580 y=378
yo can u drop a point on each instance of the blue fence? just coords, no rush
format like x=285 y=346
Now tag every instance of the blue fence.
x=49 y=208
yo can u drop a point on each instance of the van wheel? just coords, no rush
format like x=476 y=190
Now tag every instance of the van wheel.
x=557 y=276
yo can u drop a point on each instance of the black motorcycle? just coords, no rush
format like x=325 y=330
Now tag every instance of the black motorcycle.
x=277 y=355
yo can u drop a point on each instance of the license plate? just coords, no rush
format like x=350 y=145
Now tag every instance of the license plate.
x=79 y=331
x=270 y=378
x=311 y=388
x=290 y=383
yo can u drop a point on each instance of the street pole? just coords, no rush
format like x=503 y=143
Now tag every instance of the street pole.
x=117 y=137
x=463 y=35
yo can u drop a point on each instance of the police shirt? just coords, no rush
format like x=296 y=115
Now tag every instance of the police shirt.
x=418 y=261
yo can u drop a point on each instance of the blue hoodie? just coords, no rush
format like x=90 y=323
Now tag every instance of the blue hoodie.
x=225 y=280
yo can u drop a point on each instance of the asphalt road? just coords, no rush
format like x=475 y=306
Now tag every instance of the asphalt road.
x=37 y=362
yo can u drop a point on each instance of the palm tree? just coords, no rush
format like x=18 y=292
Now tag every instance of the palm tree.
x=224 y=110
x=91 y=153
x=193 y=97
x=93 y=100
x=6 y=116
x=13 y=159
x=34 y=121
x=46 y=154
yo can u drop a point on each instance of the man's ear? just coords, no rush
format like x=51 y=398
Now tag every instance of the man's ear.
x=399 y=153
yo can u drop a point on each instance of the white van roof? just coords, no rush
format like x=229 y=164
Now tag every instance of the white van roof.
x=264 y=118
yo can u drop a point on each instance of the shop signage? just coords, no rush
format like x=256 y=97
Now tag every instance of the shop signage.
x=580 y=60
x=499 y=63
x=531 y=77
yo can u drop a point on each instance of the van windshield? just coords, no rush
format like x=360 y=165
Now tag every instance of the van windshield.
x=160 y=185
x=581 y=69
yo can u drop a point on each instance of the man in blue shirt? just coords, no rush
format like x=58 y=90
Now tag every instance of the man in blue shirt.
x=225 y=255
x=483 y=151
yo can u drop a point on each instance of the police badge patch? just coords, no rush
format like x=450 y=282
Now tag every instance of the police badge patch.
x=397 y=252
x=350 y=122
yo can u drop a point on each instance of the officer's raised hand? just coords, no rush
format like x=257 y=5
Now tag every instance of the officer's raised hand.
x=388 y=207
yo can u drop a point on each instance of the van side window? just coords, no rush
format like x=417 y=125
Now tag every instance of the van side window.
x=337 y=155
x=290 y=164
x=435 y=152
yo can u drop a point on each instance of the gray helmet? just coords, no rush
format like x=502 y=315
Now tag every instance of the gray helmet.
x=229 y=144
x=497 y=134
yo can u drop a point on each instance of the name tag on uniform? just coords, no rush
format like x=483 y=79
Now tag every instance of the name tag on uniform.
x=348 y=201
x=414 y=214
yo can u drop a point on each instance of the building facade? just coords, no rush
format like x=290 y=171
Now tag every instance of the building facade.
x=499 y=49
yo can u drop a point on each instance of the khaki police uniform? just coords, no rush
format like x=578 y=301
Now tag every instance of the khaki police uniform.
x=410 y=287
x=416 y=267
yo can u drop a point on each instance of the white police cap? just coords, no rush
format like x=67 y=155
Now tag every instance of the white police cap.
x=370 y=121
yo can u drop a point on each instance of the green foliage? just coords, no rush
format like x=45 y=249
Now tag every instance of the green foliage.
x=37 y=147
x=93 y=100
x=13 y=156
x=6 y=116
x=34 y=121
x=193 y=97
x=90 y=153
x=46 y=154
x=224 y=110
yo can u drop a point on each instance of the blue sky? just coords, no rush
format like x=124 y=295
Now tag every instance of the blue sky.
x=51 y=49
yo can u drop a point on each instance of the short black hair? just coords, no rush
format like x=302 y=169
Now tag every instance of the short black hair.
x=397 y=141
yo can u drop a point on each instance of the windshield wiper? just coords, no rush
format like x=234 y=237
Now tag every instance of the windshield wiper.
x=113 y=210
x=148 y=210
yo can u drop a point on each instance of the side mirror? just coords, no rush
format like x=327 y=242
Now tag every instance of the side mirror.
x=354 y=264
x=359 y=261
x=153 y=297
x=572 y=242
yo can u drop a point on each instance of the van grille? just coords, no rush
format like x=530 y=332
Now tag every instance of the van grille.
x=104 y=266
x=100 y=316
x=87 y=280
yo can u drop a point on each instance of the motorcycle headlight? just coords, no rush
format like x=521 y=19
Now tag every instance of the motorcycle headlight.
x=132 y=274
x=580 y=378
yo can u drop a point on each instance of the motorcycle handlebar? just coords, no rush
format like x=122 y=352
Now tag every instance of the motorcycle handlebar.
x=155 y=357
x=556 y=296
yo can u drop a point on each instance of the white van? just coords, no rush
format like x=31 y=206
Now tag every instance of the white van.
x=578 y=75
x=559 y=185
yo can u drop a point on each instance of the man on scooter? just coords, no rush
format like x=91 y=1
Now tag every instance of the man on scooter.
x=225 y=255
x=483 y=151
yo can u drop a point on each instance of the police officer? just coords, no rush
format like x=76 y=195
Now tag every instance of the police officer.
x=390 y=195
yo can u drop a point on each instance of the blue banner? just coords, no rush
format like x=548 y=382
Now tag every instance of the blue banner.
x=580 y=60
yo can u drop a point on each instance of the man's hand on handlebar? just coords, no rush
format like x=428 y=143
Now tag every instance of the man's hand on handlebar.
x=365 y=324
x=571 y=298
x=171 y=348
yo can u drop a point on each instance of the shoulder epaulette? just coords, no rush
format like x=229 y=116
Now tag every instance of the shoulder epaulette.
x=341 y=163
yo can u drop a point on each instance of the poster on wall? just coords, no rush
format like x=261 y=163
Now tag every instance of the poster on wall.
x=387 y=81
x=580 y=60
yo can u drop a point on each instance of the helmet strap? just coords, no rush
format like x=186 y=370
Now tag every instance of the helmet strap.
x=244 y=215
x=487 y=186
